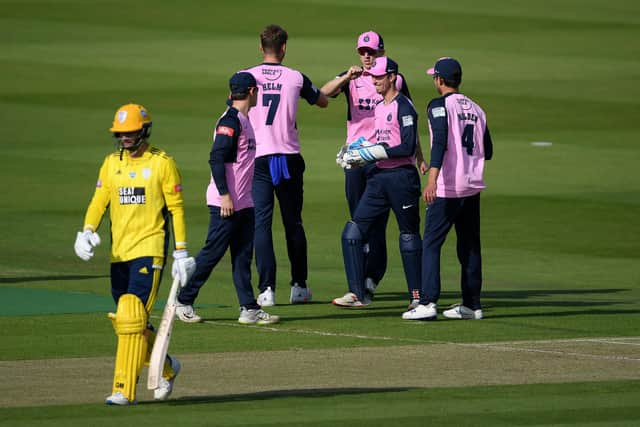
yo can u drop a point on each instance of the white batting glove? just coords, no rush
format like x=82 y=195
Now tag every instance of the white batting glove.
x=85 y=242
x=183 y=266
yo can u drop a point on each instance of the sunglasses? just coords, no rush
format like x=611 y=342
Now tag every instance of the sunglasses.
x=367 y=51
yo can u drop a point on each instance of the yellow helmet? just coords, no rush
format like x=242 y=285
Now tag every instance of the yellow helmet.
x=131 y=118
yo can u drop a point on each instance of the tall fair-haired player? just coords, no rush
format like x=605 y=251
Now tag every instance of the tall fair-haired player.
x=393 y=183
x=362 y=98
x=230 y=206
x=142 y=188
x=279 y=166
x=460 y=144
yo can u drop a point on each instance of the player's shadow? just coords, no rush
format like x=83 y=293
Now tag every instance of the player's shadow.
x=64 y=277
x=277 y=394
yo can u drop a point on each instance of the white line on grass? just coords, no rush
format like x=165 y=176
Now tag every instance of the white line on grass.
x=320 y=333
x=507 y=345
x=556 y=352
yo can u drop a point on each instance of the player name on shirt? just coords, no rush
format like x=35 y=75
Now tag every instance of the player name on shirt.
x=132 y=195
x=467 y=116
x=271 y=86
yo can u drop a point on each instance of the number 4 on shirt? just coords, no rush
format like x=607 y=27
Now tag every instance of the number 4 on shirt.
x=467 y=139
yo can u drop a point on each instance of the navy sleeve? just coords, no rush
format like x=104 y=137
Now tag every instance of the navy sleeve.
x=405 y=88
x=309 y=91
x=408 y=122
x=488 y=144
x=437 y=113
x=224 y=150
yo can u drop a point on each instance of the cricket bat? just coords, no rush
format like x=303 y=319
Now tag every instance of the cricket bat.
x=163 y=337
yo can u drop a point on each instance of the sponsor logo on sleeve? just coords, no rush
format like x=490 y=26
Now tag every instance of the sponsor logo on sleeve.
x=438 y=112
x=407 y=121
x=225 y=130
x=99 y=184
x=177 y=188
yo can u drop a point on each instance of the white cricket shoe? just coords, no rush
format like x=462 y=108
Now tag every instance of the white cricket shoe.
x=186 y=313
x=166 y=385
x=251 y=316
x=299 y=295
x=267 y=298
x=421 y=312
x=462 y=312
x=118 y=398
x=370 y=286
x=351 y=300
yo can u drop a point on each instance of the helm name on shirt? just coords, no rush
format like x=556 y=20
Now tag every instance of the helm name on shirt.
x=132 y=195
x=271 y=86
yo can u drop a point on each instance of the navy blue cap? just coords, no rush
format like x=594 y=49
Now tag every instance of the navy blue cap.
x=240 y=82
x=448 y=69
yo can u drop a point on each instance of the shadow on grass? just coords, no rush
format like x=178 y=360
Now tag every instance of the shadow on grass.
x=50 y=278
x=277 y=394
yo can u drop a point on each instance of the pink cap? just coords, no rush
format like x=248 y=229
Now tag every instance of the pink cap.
x=370 y=39
x=382 y=66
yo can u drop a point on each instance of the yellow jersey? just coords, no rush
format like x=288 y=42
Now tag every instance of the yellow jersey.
x=142 y=193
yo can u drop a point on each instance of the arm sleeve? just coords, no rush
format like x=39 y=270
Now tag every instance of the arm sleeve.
x=100 y=200
x=488 y=144
x=224 y=150
x=309 y=91
x=408 y=122
x=172 y=190
x=437 y=113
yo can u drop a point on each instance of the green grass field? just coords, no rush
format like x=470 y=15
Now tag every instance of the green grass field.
x=560 y=344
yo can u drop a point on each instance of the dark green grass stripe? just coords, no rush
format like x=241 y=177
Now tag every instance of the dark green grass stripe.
x=604 y=403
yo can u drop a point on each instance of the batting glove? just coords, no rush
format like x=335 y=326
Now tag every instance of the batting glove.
x=183 y=266
x=85 y=242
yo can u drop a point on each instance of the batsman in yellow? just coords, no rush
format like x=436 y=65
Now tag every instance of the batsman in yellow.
x=141 y=186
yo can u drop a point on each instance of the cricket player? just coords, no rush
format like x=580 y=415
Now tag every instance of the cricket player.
x=362 y=98
x=393 y=183
x=460 y=144
x=142 y=188
x=230 y=204
x=279 y=166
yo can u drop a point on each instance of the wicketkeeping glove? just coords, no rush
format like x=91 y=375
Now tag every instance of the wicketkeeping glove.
x=85 y=242
x=358 y=143
x=362 y=156
x=183 y=266
x=339 y=156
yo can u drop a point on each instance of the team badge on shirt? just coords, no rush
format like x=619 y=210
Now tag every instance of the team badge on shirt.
x=146 y=173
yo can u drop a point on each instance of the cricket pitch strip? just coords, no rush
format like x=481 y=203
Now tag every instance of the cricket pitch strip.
x=216 y=375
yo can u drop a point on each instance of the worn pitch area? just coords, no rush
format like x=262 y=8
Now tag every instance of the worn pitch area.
x=205 y=375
